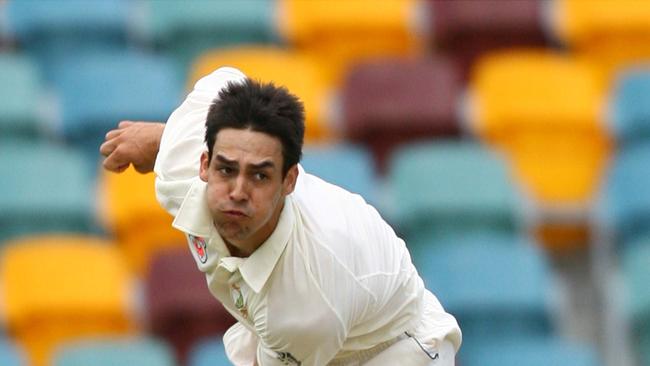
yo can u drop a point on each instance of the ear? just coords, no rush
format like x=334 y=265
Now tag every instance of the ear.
x=205 y=165
x=289 y=182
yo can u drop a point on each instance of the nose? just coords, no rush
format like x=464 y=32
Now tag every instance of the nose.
x=239 y=189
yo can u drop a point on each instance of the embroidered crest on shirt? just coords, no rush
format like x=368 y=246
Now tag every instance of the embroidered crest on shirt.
x=199 y=247
x=238 y=299
x=288 y=359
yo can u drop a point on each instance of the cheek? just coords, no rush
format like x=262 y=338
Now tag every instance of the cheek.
x=266 y=201
x=216 y=193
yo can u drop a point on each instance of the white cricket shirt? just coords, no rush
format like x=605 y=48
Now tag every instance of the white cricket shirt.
x=333 y=279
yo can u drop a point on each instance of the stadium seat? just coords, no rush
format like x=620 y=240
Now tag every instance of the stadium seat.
x=446 y=188
x=636 y=275
x=348 y=166
x=180 y=308
x=186 y=29
x=299 y=73
x=625 y=201
x=11 y=354
x=468 y=29
x=209 y=352
x=644 y=352
x=532 y=352
x=553 y=135
x=130 y=212
x=99 y=90
x=61 y=288
x=496 y=286
x=115 y=351
x=54 y=29
x=351 y=32
x=388 y=102
x=630 y=107
x=44 y=188
x=615 y=34
x=20 y=94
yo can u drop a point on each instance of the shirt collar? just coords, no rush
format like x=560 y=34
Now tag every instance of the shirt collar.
x=257 y=268
x=194 y=218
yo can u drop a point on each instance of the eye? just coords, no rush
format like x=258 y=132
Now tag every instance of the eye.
x=260 y=176
x=224 y=170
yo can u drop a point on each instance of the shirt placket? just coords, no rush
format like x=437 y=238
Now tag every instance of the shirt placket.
x=236 y=285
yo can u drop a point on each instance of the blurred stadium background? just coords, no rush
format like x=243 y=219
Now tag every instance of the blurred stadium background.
x=505 y=140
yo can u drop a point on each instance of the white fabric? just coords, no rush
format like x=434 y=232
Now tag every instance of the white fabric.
x=331 y=281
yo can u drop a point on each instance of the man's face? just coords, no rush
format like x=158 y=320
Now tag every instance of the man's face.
x=246 y=189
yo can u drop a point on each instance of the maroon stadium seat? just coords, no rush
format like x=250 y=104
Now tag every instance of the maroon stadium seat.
x=389 y=102
x=467 y=29
x=180 y=308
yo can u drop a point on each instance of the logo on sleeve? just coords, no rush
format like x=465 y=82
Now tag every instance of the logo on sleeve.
x=198 y=243
x=287 y=359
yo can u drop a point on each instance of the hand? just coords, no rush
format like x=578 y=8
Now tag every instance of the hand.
x=134 y=143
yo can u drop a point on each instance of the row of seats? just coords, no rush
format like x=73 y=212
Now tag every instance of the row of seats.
x=149 y=352
x=498 y=286
x=125 y=205
x=377 y=99
x=102 y=351
x=614 y=32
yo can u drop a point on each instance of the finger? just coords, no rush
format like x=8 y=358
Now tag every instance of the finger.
x=112 y=134
x=107 y=147
x=114 y=163
x=124 y=124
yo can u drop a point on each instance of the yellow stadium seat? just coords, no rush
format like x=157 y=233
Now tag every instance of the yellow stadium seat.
x=544 y=111
x=351 y=31
x=130 y=211
x=61 y=288
x=298 y=72
x=614 y=33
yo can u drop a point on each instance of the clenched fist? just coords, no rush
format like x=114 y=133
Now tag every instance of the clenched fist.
x=134 y=143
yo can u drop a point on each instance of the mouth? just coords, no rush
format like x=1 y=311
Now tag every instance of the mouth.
x=234 y=213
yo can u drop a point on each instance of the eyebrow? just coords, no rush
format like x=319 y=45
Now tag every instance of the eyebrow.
x=262 y=165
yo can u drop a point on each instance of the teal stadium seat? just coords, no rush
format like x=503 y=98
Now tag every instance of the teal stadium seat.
x=49 y=30
x=20 y=95
x=533 y=352
x=346 y=165
x=10 y=354
x=185 y=29
x=496 y=286
x=636 y=274
x=111 y=352
x=209 y=352
x=630 y=107
x=97 y=91
x=43 y=188
x=625 y=203
x=445 y=188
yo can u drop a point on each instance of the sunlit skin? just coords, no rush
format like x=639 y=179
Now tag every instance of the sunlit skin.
x=245 y=187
